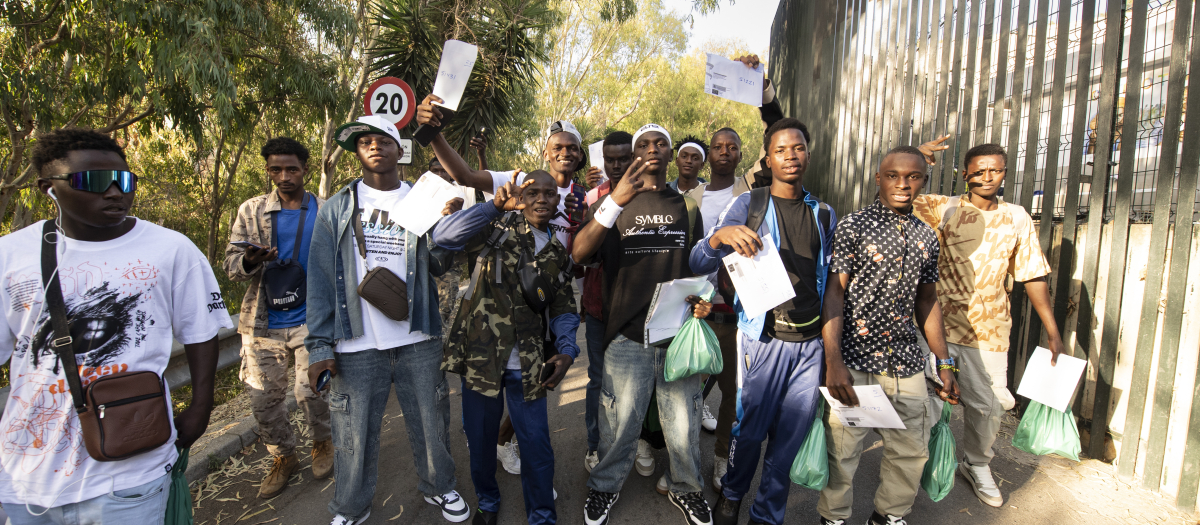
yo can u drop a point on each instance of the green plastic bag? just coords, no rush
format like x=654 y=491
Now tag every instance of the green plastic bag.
x=694 y=350
x=811 y=468
x=938 y=478
x=1044 y=430
x=179 y=502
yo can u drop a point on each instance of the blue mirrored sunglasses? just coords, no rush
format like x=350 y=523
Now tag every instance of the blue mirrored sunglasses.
x=98 y=181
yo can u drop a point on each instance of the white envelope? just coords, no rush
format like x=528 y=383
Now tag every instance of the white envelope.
x=762 y=283
x=874 y=409
x=596 y=152
x=1049 y=385
x=731 y=79
x=458 y=59
x=422 y=206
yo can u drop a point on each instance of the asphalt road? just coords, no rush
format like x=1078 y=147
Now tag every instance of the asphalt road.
x=1031 y=497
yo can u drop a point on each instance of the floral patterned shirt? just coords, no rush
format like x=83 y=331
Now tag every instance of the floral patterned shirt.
x=886 y=256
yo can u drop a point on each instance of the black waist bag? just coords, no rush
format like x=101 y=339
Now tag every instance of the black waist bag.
x=535 y=285
x=284 y=281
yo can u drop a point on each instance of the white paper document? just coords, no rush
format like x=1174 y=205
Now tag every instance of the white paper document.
x=733 y=80
x=1049 y=385
x=423 y=205
x=762 y=282
x=874 y=409
x=458 y=59
x=669 y=308
x=596 y=152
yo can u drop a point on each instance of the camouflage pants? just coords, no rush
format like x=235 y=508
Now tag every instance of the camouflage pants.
x=265 y=373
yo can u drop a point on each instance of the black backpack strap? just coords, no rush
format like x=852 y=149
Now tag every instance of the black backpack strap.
x=759 y=197
x=499 y=235
x=61 y=341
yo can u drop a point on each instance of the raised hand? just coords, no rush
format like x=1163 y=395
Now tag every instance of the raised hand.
x=632 y=184
x=508 y=197
x=934 y=146
x=480 y=144
x=751 y=61
x=594 y=177
x=427 y=113
x=453 y=205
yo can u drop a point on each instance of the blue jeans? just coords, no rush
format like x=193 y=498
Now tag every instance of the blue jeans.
x=595 y=371
x=631 y=374
x=776 y=401
x=357 y=398
x=483 y=415
x=142 y=504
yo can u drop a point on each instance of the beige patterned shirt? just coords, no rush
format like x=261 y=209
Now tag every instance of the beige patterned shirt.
x=979 y=250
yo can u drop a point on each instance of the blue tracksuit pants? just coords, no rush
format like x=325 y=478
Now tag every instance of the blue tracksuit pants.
x=777 y=399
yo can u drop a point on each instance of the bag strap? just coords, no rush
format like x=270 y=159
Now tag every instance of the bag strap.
x=494 y=241
x=61 y=343
x=300 y=228
x=824 y=215
x=759 y=197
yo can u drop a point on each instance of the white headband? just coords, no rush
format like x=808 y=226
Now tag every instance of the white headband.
x=652 y=127
x=703 y=155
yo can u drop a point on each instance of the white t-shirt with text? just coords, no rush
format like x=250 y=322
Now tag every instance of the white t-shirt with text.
x=386 y=247
x=125 y=298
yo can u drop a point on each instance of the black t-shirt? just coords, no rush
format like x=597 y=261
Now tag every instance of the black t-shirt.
x=648 y=245
x=799 y=246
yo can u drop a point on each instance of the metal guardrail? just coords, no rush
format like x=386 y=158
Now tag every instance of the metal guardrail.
x=229 y=345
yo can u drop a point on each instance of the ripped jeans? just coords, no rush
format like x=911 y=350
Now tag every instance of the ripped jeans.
x=357 y=399
x=631 y=374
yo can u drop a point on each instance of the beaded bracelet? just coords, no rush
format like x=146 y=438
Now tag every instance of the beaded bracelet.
x=951 y=368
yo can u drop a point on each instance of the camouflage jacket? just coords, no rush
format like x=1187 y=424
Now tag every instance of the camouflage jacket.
x=495 y=317
x=254 y=224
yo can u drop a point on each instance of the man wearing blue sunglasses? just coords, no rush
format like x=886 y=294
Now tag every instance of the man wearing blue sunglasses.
x=128 y=286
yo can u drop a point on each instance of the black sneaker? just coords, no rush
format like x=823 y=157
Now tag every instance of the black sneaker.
x=483 y=517
x=881 y=519
x=595 y=511
x=725 y=512
x=694 y=507
x=454 y=509
x=827 y=521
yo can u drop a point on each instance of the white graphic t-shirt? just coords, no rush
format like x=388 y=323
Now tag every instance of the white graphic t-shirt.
x=385 y=248
x=559 y=224
x=125 y=298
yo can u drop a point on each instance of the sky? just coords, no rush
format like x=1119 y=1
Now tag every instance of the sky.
x=745 y=20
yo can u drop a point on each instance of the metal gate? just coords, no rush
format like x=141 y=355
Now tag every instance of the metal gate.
x=1089 y=98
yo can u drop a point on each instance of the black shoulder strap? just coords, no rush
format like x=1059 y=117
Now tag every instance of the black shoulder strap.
x=499 y=235
x=61 y=343
x=759 y=197
x=300 y=228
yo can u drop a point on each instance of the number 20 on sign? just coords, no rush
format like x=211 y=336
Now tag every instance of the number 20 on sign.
x=392 y=99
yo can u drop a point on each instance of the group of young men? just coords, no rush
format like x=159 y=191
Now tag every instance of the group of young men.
x=906 y=293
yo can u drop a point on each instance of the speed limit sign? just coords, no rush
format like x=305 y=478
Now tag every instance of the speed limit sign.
x=392 y=99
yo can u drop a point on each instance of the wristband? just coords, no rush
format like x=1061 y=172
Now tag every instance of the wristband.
x=946 y=361
x=608 y=213
x=948 y=367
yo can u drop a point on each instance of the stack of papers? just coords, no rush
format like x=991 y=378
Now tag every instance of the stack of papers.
x=669 y=308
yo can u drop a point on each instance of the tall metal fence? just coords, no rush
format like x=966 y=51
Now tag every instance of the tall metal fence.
x=1089 y=98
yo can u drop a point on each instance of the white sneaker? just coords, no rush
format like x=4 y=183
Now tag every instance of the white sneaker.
x=342 y=520
x=720 y=467
x=981 y=481
x=645 y=459
x=707 y=421
x=454 y=508
x=555 y=493
x=591 y=459
x=509 y=457
x=662 y=486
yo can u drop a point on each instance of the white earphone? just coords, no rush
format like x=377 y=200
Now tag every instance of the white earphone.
x=50 y=192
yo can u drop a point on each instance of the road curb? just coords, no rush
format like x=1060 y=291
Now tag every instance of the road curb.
x=234 y=437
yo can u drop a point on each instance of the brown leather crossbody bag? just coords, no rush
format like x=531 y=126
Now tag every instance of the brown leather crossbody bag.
x=121 y=415
x=380 y=287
